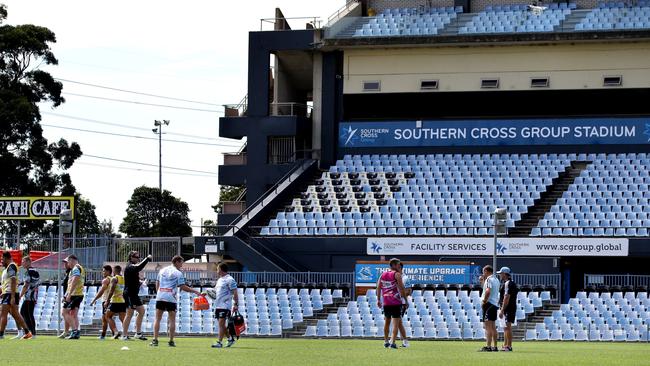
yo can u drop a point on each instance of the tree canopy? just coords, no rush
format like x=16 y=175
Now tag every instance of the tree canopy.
x=31 y=165
x=152 y=213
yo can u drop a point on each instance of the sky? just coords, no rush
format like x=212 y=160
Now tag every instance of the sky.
x=193 y=50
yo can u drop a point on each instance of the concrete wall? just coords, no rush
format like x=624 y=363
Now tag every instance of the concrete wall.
x=577 y=66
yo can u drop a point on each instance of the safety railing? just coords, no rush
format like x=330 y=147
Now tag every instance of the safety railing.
x=377 y=230
x=314 y=22
x=616 y=280
x=342 y=11
x=289 y=109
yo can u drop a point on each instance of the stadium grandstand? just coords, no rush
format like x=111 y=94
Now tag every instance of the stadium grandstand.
x=406 y=128
x=399 y=127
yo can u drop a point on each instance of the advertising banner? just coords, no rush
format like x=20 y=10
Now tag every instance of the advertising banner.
x=369 y=273
x=34 y=208
x=527 y=247
x=548 y=131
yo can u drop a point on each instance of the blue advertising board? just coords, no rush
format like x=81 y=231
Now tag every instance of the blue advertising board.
x=577 y=131
x=417 y=273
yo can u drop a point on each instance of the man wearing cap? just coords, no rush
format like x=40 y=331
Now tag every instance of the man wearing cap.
x=74 y=296
x=509 y=291
x=131 y=295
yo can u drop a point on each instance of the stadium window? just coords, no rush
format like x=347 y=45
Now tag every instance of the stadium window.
x=614 y=80
x=281 y=149
x=428 y=84
x=489 y=83
x=539 y=83
x=371 y=86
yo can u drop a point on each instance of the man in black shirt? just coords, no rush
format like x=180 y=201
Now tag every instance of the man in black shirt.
x=508 y=309
x=131 y=297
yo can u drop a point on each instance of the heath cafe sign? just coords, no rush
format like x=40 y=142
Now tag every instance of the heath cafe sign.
x=34 y=208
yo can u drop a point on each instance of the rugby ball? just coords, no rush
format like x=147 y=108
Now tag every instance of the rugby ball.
x=211 y=293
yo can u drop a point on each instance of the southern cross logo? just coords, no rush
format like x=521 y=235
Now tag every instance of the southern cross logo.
x=349 y=135
x=647 y=131
x=501 y=248
x=375 y=248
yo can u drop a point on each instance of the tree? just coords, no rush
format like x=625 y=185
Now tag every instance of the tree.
x=210 y=228
x=106 y=229
x=30 y=164
x=228 y=194
x=152 y=213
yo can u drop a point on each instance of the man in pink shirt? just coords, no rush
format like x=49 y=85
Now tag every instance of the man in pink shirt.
x=390 y=292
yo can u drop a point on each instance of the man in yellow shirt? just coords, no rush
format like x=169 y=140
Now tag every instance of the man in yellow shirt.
x=74 y=296
x=10 y=297
x=117 y=304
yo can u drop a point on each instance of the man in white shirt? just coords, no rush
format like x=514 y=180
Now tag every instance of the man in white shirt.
x=490 y=305
x=225 y=292
x=169 y=280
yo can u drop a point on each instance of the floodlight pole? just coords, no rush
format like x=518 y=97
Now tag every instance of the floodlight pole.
x=494 y=256
x=158 y=131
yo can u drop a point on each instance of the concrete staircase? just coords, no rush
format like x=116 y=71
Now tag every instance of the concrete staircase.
x=547 y=199
x=519 y=331
x=569 y=23
x=451 y=29
x=299 y=329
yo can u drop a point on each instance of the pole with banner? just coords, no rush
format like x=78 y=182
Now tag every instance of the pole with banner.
x=65 y=226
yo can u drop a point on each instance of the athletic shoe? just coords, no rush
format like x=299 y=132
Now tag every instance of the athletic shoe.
x=495 y=349
x=28 y=335
x=405 y=343
x=217 y=345
x=117 y=336
x=506 y=349
x=230 y=342
x=393 y=346
x=126 y=338
x=485 y=349
x=140 y=336
x=171 y=344
x=154 y=343
x=101 y=338
x=62 y=335
x=386 y=344
x=18 y=336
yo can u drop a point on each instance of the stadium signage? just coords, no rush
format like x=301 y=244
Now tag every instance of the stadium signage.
x=580 y=131
x=34 y=208
x=459 y=246
x=417 y=273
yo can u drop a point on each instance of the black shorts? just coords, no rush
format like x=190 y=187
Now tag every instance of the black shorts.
x=132 y=301
x=221 y=313
x=393 y=311
x=7 y=297
x=117 y=307
x=489 y=312
x=510 y=315
x=75 y=302
x=165 y=306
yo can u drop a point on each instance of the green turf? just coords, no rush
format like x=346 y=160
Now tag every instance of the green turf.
x=311 y=352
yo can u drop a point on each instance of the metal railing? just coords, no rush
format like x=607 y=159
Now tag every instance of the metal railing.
x=315 y=21
x=237 y=110
x=342 y=11
x=616 y=280
x=349 y=230
x=161 y=248
x=289 y=109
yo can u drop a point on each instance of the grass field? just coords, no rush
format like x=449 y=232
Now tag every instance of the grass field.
x=286 y=352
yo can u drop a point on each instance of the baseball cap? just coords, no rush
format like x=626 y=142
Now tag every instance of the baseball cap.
x=505 y=270
x=64 y=260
